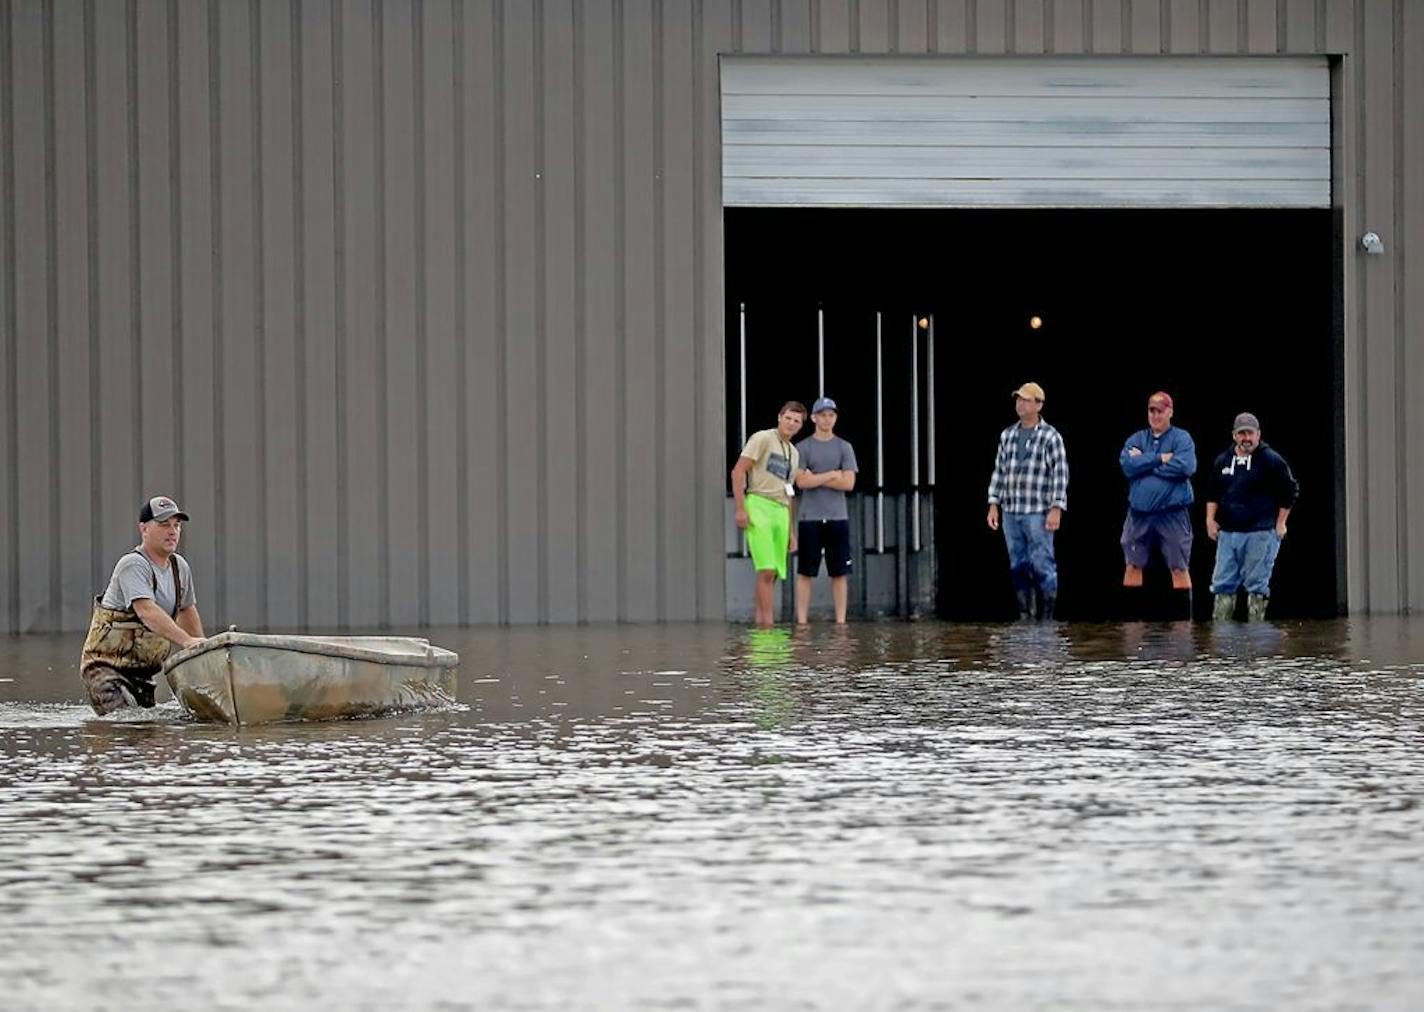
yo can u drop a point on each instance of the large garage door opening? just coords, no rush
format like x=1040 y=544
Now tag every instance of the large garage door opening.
x=1229 y=310
x=918 y=236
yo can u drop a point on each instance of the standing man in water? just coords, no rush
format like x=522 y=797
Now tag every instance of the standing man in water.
x=827 y=473
x=764 y=487
x=149 y=607
x=1028 y=493
x=1250 y=493
x=1159 y=462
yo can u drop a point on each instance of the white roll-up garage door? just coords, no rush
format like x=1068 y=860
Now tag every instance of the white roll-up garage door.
x=1026 y=131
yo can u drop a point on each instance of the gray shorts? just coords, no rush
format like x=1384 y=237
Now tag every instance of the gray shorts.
x=1170 y=532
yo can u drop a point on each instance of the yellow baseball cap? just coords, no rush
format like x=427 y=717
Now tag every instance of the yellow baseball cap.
x=1032 y=391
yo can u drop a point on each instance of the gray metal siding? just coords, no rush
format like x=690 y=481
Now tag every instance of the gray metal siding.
x=1407 y=202
x=442 y=285
x=1048 y=132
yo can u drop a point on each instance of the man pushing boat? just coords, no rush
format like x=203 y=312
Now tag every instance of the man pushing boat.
x=149 y=607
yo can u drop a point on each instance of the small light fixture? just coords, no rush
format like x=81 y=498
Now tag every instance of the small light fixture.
x=1035 y=322
x=1370 y=242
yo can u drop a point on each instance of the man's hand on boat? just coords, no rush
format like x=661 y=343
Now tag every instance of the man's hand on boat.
x=185 y=631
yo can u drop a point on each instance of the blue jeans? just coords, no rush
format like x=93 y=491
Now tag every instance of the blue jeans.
x=1031 y=561
x=1244 y=558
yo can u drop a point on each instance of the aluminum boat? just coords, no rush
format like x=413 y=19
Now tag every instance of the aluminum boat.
x=245 y=678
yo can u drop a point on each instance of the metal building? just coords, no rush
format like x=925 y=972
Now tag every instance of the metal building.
x=417 y=306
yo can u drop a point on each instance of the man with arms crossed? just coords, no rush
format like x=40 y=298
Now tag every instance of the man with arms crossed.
x=1250 y=493
x=763 y=485
x=827 y=473
x=1030 y=487
x=148 y=608
x=1159 y=462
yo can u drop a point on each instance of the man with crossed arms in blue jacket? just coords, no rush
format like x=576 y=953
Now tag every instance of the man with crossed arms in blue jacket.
x=1159 y=462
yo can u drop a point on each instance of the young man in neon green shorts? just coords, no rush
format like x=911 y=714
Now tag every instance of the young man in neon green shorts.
x=764 y=486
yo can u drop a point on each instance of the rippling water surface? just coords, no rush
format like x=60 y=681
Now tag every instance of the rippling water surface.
x=923 y=816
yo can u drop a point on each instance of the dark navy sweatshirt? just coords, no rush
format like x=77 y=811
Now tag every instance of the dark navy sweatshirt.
x=1249 y=491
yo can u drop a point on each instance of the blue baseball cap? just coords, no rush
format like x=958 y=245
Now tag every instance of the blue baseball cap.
x=823 y=404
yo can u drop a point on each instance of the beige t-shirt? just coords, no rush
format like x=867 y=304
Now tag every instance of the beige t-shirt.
x=776 y=464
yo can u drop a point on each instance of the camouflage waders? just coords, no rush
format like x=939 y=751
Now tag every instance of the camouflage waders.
x=1224 y=608
x=122 y=655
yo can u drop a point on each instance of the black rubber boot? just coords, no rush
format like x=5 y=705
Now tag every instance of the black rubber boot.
x=1025 y=600
x=1047 y=604
x=1181 y=605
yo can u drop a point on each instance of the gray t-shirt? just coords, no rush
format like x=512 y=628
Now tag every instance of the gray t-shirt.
x=134 y=578
x=1021 y=438
x=818 y=457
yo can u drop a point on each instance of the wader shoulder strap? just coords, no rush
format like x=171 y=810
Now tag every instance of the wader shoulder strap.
x=177 y=580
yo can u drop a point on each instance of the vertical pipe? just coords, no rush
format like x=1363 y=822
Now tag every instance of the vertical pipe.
x=930 y=407
x=914 y=433
x=879 y=445
x=742 y=431
x=902 y=565
x=742 y=425
x=820 y=351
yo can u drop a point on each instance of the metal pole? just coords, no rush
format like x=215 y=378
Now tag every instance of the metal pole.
x=930 y=461
x=914 y=433
x=879 y=445
x=930 y=405
x=820 y=351
x=741 y=535
x=743 y=430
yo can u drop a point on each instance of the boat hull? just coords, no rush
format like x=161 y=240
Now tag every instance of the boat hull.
x=244 y=678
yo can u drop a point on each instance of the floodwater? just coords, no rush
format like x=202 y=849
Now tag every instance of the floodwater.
x=906 y=816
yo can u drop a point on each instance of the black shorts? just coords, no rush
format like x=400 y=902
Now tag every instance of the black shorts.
x=815 y=538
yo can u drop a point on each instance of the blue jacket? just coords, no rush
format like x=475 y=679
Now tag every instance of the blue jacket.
x=1153 y=486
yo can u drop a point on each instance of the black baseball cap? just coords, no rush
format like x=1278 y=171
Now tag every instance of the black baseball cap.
x=160 y=507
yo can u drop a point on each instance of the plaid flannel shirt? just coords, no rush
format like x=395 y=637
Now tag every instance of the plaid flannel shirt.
x=1035 y=484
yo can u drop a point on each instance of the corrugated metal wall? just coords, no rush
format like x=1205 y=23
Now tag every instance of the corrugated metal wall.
x=438 y=283
x=417 y=304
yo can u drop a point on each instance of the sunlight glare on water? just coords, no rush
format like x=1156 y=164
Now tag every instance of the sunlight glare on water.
x=891 y=816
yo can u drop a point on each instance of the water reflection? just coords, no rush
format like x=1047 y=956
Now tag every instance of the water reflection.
x=884 y=816
x=768 y=656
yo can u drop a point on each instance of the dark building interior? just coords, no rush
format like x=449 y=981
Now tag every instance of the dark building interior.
x=1228 y=310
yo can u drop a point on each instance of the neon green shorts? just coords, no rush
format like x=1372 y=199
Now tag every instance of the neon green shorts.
x=768 y=533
